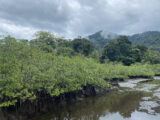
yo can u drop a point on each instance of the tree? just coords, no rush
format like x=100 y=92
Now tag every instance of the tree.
x=82 y=46
x=119 y=50
x=125 y=46
x=9 y=48
x=152 y=57
x=63 y=43
x=45 y=37
x=65 y=51
x=44 y=40
x=111 y=51
x=138 y=52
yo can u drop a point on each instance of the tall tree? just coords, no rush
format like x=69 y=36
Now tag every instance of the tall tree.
x=44 y=40
x=119 y=50
x=82 y=46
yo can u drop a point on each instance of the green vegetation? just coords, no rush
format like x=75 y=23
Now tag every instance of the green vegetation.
x=99 y=40
x=122 y=50
x=82 y=46
x=119 y=50
x=151 y=39
x=26 y=69
x=58 y=66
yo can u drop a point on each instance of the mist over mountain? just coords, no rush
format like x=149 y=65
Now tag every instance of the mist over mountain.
x=100 y=38
x=150 y=39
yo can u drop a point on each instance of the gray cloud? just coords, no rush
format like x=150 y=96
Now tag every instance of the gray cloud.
x=70 y=18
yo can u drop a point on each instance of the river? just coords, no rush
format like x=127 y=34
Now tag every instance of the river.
x=135 y=100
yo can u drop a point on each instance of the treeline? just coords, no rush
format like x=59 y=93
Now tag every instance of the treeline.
x=120 y=50
x=57 y=66
x=58 y=46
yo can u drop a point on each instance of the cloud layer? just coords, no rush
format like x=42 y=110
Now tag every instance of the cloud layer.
x=71 y=18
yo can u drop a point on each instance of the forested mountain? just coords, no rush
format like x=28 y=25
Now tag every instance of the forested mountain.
x=150 y=39
x=100 y=38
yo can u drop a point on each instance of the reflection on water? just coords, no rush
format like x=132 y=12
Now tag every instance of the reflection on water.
x=114 y=104
x=95 y=108
x=119 y=105
x=134 y=116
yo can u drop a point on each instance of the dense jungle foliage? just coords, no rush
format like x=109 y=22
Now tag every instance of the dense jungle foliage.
x=57 y=66
x=123 y=51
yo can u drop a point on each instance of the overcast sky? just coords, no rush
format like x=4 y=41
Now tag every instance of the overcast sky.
x=71 y=18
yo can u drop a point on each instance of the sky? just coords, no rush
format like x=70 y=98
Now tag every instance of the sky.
x=72 y=18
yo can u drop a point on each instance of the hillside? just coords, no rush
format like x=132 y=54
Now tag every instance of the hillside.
x=151 y=39
x=100 y=38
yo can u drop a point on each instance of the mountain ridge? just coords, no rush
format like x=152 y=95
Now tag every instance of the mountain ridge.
x=150 y=39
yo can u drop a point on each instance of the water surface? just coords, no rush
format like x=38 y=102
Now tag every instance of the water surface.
x=133 y=101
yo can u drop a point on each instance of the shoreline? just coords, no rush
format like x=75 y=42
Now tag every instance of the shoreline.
x=69 y=97
x=45 y=103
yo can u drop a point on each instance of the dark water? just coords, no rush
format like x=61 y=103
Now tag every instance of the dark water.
x=112 y=106
x=126 y=104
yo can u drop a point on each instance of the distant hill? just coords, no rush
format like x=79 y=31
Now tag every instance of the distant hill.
x=151 y=39
x=100 y=38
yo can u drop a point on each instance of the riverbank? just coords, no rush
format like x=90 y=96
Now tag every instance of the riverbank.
x=135 y=93
x=24 y=110
x=45 y=102
x=24 y=79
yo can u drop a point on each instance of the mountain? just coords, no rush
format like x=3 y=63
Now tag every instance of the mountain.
x=150 y=39
x=100 y=38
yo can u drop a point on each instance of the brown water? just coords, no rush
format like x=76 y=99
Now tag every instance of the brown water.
x=131 y=102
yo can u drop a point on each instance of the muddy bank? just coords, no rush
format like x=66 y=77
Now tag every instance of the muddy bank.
x=141 y=76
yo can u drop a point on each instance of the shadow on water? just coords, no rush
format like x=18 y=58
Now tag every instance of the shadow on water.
x=93 y=108
x=133 y=101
